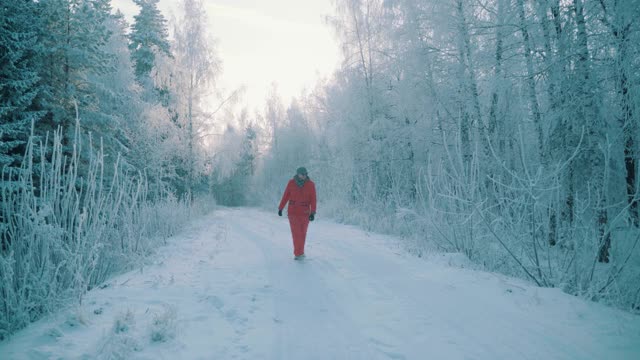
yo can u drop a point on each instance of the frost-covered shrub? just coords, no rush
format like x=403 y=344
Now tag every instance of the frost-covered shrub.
x=518 y=226
x=123 y=322
x=163 y=324
x=63 y=232
x=118 y=347
x=120 y=342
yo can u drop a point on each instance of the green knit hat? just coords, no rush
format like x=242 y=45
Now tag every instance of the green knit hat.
x=301 y=170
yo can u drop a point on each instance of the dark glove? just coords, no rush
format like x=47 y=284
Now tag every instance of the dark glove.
x=279 y=212
x=312 y=216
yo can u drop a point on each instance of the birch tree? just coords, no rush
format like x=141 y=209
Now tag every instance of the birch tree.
x=197 y=67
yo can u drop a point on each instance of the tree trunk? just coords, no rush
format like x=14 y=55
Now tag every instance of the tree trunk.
x=630 y=167
x=605 y=236
x=629 y=126
x=620 y=30
x=493 y=108
x=551 y=63
x=191 y=162
x=468 y=120
x=531 y=85
x=465 y=121
x=586 y=114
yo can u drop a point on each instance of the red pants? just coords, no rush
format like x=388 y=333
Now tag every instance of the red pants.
x=299 y=225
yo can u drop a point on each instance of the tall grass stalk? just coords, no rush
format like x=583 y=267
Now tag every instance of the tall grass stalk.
x=65 y=226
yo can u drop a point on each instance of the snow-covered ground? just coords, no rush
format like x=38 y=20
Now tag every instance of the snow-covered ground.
x=228 y=288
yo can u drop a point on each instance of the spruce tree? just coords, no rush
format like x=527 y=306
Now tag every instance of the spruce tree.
x=74 y=34
x=19 y=88
x=148 y=36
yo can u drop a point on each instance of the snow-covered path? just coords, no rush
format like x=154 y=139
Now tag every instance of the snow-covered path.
x=228 y=289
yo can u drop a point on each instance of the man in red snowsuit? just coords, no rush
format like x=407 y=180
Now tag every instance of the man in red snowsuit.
x=300 y=193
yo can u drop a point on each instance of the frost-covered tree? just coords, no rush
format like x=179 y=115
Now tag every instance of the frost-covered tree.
x=619 y=18
x=74 y=34
x=235 y=165
x=506 y=130
x=98 y=182
x=197 y=66
x=20 y=56
x=148 y=38
x=360 y=25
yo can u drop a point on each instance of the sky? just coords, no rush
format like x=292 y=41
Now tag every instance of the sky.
x=263 y=42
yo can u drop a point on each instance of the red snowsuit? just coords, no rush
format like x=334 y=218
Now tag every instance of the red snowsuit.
x=302 y=203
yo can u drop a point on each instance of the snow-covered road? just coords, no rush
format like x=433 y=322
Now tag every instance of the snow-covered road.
x=228 y=288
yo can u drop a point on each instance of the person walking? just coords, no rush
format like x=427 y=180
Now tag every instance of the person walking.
x=300 y=194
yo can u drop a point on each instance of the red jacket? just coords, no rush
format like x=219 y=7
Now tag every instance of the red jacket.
x=302 y=200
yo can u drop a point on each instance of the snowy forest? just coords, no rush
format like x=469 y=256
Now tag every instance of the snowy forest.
x=505 y=130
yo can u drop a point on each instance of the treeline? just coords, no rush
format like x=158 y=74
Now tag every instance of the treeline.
x=503 y=129
x=101 y=142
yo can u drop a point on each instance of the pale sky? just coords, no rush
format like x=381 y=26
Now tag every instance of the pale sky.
x=265 y=41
